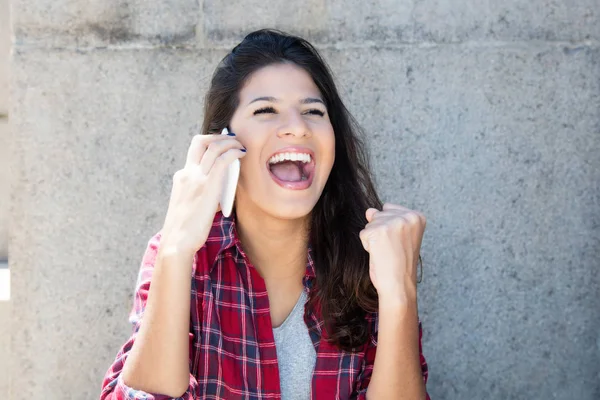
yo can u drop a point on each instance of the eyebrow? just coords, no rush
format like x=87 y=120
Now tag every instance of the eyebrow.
x=308 y=100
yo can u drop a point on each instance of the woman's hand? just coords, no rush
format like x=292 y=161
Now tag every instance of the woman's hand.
x=393 y=239
x=196 y=192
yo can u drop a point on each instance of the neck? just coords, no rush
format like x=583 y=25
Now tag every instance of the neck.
x=276 y=247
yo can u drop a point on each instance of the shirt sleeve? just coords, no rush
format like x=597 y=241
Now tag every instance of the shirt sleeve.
x=365 y=377
x=113 y=387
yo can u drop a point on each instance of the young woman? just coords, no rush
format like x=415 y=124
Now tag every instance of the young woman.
x=308 y=290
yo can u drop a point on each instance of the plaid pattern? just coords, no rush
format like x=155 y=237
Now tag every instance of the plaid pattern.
x=232 y=349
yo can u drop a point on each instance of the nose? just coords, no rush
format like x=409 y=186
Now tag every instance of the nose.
x=294 y=125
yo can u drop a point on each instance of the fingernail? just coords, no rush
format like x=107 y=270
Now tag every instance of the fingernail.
x=243 y=150
x=231 y=134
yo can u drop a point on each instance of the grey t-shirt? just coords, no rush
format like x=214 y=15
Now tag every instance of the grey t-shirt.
x=296 y=354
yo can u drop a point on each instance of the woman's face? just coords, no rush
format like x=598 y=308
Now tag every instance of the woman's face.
x=284 y=125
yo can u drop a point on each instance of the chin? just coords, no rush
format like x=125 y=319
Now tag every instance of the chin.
x=288 y=210
x=275 y=201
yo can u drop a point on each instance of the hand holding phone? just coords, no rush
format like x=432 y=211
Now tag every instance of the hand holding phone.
x=208 y=180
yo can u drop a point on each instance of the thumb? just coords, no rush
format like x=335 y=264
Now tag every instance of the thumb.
x=370 y=213
x=364 y=239
x=364 y=234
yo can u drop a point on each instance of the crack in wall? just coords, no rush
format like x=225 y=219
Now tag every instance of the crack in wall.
x=569 y=47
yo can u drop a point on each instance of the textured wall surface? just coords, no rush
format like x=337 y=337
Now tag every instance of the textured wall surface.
x=4 y=163
x=485 y=117
x=4 y=51
x=4 y=197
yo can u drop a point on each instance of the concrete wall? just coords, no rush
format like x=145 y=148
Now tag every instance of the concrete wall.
x=4 y=165
x=483 y=115
x=4 y=199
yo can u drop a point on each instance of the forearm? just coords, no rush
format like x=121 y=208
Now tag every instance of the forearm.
x=158 y=360
x=397 y=368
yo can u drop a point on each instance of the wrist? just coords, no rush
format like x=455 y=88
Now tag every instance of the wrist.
x=404 y=292
x=398 y=301
x=172 y=252
x=394 y=317
x=175 y=244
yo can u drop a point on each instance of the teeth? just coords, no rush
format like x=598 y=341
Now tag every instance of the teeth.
x=305 y=158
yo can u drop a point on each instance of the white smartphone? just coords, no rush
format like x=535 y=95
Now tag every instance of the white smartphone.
x=230 y=181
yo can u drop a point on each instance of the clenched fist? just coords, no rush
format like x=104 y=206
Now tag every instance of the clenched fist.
x=393 y=237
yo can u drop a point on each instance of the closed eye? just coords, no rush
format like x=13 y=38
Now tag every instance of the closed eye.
x=316 y=111
x=264 y=110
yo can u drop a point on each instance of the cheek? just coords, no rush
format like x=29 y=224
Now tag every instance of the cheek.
x=251 y=139
x=250 y=164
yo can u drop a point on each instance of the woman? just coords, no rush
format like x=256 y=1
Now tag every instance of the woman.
x=308 y=290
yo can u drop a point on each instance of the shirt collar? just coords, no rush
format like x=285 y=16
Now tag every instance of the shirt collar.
x=224 y=233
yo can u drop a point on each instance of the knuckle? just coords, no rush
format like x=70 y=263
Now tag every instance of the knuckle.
x=185 y=176
x=379 y=229
x=211 y=147
x=198 y=178
x=399 y=224
x=221 y=160
x=178 y=176
x=198 y=138
x=412 y=218
x=216 y=146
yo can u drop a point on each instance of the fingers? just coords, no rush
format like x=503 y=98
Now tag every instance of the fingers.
x=374 y=214
x=199 y=145
x=222 y=161
x=197 y=149
x=364 y=239
x=390 y=206
x=215 y=150
x=411 y=216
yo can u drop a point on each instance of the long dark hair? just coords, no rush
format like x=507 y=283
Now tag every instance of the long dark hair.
x=344 y=292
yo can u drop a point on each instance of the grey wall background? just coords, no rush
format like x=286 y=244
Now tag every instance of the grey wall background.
x=483 y=115
x=4 y=175
x=4 y=194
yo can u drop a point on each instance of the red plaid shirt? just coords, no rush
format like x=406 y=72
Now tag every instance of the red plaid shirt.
x=232 y=349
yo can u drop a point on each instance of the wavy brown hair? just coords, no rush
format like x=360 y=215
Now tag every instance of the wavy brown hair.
x=344 y=292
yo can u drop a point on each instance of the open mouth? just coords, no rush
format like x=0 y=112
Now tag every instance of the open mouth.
x=293 y=169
